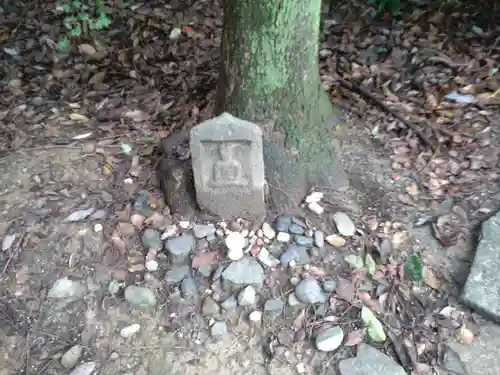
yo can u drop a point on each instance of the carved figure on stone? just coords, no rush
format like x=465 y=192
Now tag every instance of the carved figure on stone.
x=227 y=171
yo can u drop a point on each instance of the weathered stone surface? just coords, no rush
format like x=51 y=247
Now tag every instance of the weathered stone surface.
x=329 y=339
x=370 y=361
x=179 y=248
x=482 y=288
x=478 y=358
x=246 y=271
x=309 y=291
x=228 y=167
x=297 y=253
x=139 y=296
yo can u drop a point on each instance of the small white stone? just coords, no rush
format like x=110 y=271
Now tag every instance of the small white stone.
x=244 y=232
x=260 y=233
x=315 y=207
x=219 y=232
x=184 y=224
x=266 y=258
x=268 y=231
x=235 y=241
x=152 y=265
x=247 y=296
x=235 y=254
x=98 y=228
x=170 y=231
x=314 y=197
x=130 y=330
x=267 y=241
x=300 y=368
x=309 y=233
x=222 y=224
x=251 y=234
x=128 y=181
x=255 y=316
x=283 y=237
x=292 y=263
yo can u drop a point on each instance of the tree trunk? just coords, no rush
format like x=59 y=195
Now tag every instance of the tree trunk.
x=270 y=75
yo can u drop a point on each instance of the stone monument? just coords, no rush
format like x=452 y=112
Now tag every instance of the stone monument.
x=228 y=167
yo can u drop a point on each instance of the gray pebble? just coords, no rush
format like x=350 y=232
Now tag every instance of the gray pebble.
x=293 y=300
x=203 y=230
x=309 y=291
x=71 y=357
x=113 y=287
x=229 y=303
x=65 y=288
x=245 y=271
x=139 y=296
x=151 y=239
x=206 y=271
x=304 y=241
x=210 y=307
x=319 y=239
x=189 y=288
x=177 y=274
x=297 y=253
x=298 y=221
x=99 y=215
x=344 y=224
x=273 y=305
x=179 y=247
x=283 y=223
x=86 y=368
x=296 y=229
x=218 y=329
x=141 y=203
x=329 y=285
x=329 y=339
x=211 y=238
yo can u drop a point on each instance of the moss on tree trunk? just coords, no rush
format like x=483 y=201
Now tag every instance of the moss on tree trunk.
x=270 y=75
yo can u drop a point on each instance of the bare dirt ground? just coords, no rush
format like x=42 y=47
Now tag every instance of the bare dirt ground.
x=443 y=172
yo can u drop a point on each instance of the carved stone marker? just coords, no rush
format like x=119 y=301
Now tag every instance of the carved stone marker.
x=228 y=167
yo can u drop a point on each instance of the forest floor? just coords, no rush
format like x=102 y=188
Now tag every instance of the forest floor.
x=78 y=131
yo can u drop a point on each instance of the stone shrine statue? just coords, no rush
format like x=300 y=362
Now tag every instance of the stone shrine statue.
x=227 y=171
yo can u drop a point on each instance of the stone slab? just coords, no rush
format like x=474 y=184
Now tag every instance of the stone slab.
x=482 y=288
x=370 y=361
x=481 y=357
x=228 y=167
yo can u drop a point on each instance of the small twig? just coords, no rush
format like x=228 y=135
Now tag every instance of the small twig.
x=14 y=253
x=494 y=45
x=367 y=95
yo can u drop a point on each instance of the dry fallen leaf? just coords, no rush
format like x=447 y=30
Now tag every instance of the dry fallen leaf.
x=202 y=259
x=345 y=290
x=127 y=229
x=431 y=279
x=355 y=337
x=300 y=320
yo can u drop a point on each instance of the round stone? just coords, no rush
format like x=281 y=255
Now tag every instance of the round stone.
x=130 y=330
x=71 y=357
x=139 y=296
x=329 y=339
x=255 y=316
x=309 y=291
x=344 y=224
x=247 y=296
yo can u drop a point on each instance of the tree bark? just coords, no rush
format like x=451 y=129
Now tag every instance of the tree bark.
x=270 y=75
